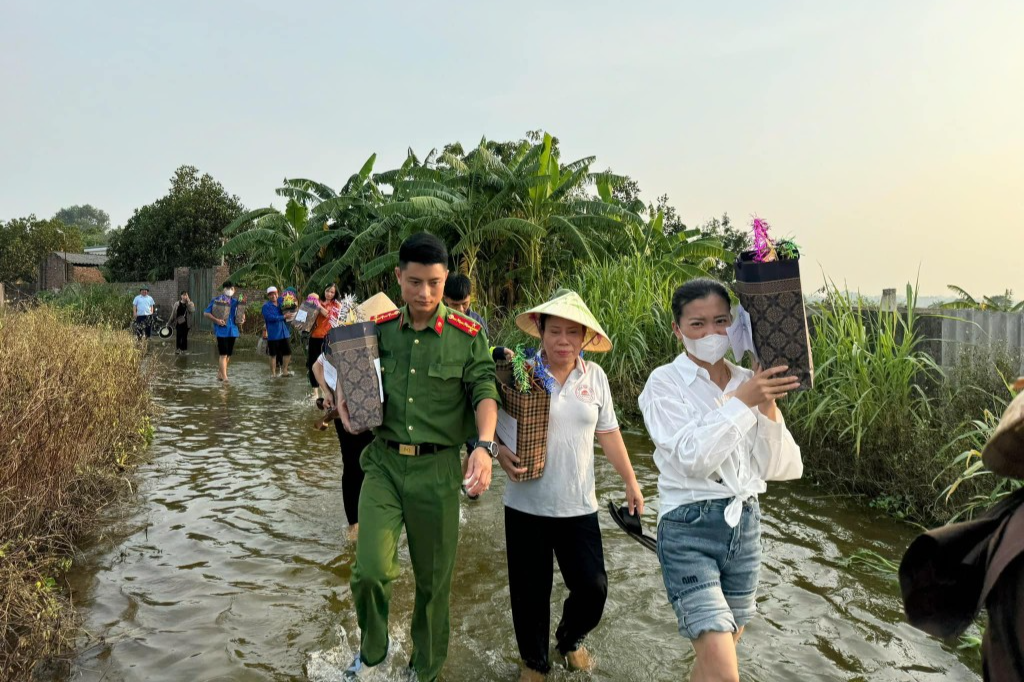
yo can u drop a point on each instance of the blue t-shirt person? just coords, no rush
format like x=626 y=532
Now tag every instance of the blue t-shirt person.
x=144 y=305
x=231 y=329
x=277 y=327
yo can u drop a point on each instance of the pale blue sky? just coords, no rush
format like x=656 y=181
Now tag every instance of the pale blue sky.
x=883 y=135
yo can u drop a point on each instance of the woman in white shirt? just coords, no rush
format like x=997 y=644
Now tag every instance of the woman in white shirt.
x=555 y=516
x=718 y=437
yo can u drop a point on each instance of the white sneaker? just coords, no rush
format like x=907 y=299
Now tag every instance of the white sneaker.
x=358 y=670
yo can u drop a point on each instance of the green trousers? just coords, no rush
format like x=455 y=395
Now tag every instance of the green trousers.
x=423 y=494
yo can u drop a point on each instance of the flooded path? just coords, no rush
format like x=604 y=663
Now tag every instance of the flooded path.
x=234 y=565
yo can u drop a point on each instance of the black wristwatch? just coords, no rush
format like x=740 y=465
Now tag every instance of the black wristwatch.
x=490 y=446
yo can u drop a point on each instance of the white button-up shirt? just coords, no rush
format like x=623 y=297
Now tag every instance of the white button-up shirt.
x=710 y=445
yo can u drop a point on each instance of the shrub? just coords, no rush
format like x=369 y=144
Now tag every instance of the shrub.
x=74 y=405
x=105 y=305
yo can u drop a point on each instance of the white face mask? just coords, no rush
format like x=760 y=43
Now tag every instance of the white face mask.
x=229 y=292
x=710 y=348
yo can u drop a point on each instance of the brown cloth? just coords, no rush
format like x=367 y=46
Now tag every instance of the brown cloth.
x=949 y=573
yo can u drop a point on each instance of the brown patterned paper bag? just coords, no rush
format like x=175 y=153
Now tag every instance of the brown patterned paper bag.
x=352 y=351
x=523 y=422
x=305 y=316
x=772 y=296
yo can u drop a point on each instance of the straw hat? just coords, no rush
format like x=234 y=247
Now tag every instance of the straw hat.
x=1004 y=452
x=567 y=304
x=375 y=305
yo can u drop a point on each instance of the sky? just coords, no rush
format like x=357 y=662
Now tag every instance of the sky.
x=887 y=138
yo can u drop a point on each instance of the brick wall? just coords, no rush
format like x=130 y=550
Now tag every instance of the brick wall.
x=86 y=275
x=164 y=292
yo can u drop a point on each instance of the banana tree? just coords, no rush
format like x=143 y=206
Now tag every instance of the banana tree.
x=269 y=241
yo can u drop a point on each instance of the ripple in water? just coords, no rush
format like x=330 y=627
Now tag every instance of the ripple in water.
x=234 y=565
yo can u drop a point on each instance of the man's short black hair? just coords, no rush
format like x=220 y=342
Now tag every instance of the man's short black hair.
x=226 y=285
x=423 y=248
x=457 y=288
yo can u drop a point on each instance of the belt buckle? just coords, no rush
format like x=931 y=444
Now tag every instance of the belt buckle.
x=406 y=449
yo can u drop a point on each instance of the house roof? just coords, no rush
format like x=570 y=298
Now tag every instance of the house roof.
x=81 y=258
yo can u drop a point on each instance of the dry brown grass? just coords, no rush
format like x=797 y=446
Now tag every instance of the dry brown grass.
x=74 y=405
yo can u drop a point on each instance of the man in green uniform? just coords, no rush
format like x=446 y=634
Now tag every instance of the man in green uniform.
x=436 y=370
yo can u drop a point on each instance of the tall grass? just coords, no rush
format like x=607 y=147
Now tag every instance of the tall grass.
x=886 y=421
x=107 y=305
x=869 y=400
x=74 y=405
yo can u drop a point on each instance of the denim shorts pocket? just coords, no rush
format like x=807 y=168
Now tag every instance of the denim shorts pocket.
x=686 y=515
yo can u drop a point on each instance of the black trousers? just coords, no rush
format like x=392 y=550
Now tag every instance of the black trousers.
x=352 y=447
x=532 y=542
x=181 y=336
x=316 y=347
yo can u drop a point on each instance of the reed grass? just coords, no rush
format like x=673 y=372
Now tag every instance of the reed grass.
x=74 y=417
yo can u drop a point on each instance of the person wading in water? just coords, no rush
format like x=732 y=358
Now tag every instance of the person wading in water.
x=718 y=436
x=436 y=371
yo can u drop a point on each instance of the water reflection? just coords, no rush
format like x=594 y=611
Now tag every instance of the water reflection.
x=235 y=566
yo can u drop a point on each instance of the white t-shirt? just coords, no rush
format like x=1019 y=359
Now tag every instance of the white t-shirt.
x=580 y=408
x=144 y=305
x=330 y=374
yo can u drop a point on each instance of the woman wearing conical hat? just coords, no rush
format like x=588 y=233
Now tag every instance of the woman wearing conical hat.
x=555 y=516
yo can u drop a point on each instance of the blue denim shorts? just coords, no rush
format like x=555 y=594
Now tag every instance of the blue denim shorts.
x=710 y=569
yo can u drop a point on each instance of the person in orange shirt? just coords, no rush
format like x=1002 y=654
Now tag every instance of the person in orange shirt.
x=327 y=317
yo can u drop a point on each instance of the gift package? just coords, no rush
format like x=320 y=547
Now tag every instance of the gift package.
x=768 y=286
x=221 y=308
x=305 y=316
x=352 y=351
x=525 y=390
x=240 y=310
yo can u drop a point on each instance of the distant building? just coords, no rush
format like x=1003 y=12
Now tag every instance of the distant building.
x=61 y=268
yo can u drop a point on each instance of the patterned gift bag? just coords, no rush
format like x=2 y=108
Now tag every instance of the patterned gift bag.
x=305 y=317
x=771 y=294
x=530 y=412
x=352 y=351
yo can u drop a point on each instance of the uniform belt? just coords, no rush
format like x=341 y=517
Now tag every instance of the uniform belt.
x=416 y=450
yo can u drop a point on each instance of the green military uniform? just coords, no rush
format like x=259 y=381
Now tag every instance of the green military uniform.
x=433 y=381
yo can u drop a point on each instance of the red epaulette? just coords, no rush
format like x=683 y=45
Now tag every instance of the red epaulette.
x=464 y=324
x=386 y=317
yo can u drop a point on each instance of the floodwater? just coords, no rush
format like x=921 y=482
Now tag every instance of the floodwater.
x=233 y=564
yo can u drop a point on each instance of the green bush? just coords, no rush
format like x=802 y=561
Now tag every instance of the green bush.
x=103 y=305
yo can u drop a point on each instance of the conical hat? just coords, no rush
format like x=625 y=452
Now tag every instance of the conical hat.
x=1004 y=452
x=567 y=304
x=377 y=304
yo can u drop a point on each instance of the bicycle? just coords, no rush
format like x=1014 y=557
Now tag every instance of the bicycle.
x=151 y=321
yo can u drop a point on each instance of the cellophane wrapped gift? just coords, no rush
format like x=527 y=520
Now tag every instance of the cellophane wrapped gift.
x=527 y=413
x=352 y=351
x=221 y=308
x=240 y=311
x=771 y=293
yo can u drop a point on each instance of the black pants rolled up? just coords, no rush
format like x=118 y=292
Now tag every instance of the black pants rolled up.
x=316 y=347
x=181 y=336
x=532 y=543
x=352 y=447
